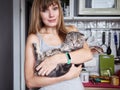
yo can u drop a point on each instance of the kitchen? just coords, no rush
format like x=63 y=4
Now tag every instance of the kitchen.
x=92 y=26
x=96 y=24
x=100 y=24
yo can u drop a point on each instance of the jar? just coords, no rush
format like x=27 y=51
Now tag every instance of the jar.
x=84 y=76
x=115 y=80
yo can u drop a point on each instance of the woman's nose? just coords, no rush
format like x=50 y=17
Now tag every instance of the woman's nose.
x=51 y=14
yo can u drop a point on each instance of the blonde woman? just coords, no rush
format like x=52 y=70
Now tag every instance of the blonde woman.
x=47 y=29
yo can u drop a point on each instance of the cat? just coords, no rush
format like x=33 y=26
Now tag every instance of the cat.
x=73 y=41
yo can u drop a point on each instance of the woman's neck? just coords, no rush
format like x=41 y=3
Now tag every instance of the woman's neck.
x=49 y=31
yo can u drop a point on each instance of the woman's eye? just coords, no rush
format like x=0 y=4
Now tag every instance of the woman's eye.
x=55 y=8
x=44 y=10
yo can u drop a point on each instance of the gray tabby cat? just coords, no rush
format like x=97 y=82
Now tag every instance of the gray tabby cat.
x=73 y=41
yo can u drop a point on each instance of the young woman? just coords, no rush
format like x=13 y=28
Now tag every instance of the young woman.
x=48 y=30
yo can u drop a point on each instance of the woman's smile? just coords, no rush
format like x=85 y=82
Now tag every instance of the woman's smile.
x=52 y=20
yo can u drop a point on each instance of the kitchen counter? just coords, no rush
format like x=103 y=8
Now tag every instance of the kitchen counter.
x=100 y=86
x=86 y=88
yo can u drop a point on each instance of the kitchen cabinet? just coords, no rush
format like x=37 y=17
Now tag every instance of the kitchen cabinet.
x=71 y=9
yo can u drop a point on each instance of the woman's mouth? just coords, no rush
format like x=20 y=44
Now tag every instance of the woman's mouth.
x=52 y=21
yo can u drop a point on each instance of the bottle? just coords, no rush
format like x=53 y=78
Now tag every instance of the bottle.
x=84 y=76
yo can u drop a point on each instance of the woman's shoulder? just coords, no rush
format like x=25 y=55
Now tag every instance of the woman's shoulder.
x=32 y=38
x=71 y=28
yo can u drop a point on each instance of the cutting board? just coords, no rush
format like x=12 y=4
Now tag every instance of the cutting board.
x=106 y=65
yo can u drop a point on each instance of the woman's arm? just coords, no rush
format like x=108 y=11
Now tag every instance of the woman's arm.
x=77 y=57
x=33 y=80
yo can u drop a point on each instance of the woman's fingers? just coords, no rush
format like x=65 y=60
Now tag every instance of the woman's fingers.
x=40 y=72
x=38 y=67
x=48 y=72
x=45 y=70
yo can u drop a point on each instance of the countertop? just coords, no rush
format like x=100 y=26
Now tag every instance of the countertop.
x=100 y=86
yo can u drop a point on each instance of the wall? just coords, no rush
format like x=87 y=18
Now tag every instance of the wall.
x=6 y=45
x=92 y=29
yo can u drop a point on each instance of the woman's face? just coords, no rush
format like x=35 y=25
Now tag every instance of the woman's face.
x=50 y=16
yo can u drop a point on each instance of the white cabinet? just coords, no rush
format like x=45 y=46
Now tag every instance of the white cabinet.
x=71 y=9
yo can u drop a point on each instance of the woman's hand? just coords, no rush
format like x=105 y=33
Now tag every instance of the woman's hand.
x=47 y=66
x=74 y=72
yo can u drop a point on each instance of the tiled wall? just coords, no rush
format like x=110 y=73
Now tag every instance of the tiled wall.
x=93 y=30
x=96 y=24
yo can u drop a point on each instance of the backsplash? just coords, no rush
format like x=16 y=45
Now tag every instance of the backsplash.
x=93 y=30
x=95 y=24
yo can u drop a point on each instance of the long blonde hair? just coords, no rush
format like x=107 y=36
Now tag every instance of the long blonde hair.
x=36 y=22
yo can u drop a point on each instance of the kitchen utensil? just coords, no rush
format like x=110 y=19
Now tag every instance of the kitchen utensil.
x=118 y=50
x=103 y=45
x=88 y=34
x=115 y=41
x=109 y=43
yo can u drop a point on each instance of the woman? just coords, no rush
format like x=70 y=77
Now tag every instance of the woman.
x=48 y=30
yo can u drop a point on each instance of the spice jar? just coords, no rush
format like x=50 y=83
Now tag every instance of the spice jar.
x=115 y=80
x=84 y=76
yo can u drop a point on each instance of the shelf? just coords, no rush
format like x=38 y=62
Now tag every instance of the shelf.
x=92 y=18
x=97 y=18
x=73 y=13
x=68 y=18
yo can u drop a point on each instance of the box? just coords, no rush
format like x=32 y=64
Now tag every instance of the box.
x=106 y=65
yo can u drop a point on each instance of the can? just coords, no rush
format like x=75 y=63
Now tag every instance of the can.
x=115 y=80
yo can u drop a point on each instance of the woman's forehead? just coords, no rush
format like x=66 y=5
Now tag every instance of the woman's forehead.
x=47 y=5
